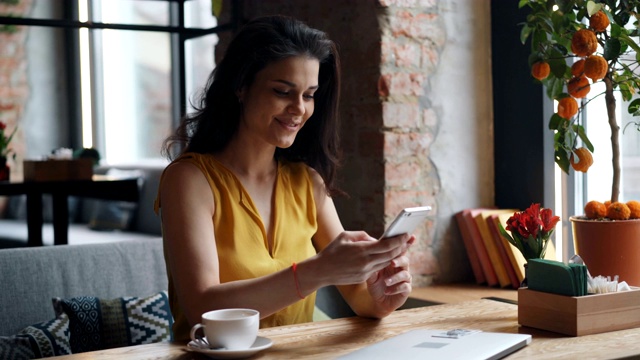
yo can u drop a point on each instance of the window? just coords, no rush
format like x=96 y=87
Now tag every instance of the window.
x=126 y=75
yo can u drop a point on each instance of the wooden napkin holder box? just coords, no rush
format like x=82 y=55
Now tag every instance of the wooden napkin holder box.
x=579 y=315
x=58 y=170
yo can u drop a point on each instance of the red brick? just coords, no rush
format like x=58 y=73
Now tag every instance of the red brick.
x=418 y=83
x=405 y=174
x=405 y=115
x=387 y=54
x=396 y=200
x=383 y=85
x=430 y=58
x=401 y=145
x=399 y=23
x=407 y=55
x=400 y=84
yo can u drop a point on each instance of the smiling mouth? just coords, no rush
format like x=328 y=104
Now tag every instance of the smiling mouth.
x=289 y=124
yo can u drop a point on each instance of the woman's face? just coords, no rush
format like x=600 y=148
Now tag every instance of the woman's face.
x=280 y=100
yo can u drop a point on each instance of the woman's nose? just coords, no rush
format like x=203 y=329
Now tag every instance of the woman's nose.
x=297 y=106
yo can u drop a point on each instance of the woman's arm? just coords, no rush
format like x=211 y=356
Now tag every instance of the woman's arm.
x=384 y=290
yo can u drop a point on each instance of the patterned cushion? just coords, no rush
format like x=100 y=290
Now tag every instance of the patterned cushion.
x=46 y=339
x=97 y=324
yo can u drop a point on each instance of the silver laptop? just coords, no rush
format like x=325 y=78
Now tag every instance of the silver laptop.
x=442 y=344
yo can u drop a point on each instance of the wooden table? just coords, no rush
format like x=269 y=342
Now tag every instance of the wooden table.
x=329 y=339
x=458 y=292
x=99 y=187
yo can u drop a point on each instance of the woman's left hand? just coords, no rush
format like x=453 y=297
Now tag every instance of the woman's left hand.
x=391 y=286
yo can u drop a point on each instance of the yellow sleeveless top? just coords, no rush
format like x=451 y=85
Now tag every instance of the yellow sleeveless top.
x=241 y=238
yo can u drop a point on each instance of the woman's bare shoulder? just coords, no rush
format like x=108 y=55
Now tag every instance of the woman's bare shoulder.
x=183 y=177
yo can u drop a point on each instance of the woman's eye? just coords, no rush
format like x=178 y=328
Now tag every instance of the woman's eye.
x=308 y=96
x=280 y=92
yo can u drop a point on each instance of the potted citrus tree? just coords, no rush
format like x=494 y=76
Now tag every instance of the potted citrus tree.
x=575 y=44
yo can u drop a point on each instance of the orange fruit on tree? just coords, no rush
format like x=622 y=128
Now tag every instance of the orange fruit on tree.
x=577 y=68
x=595 y=210
x=567 y=107
x=578 y=87
x=599 y=21
x=634 y=207
x=540 y=70
x=618 y=211
x=595 y=67
x=585 y=159
x=584 y=42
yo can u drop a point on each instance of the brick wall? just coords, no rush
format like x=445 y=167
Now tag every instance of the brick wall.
x=14 y=84
x=412 y=39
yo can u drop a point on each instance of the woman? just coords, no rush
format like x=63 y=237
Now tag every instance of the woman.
x=247 y=215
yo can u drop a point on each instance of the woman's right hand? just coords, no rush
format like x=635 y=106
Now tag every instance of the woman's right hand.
x=354 y=256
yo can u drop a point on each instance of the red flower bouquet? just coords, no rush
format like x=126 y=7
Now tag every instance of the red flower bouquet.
x=531 y=230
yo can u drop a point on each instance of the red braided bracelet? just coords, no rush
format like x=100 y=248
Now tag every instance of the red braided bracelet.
x=294 y=267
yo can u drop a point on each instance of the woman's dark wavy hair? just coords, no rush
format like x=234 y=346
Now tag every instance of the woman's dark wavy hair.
x=259 y=43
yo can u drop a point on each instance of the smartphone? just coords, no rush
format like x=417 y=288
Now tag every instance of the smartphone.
x=407 y=221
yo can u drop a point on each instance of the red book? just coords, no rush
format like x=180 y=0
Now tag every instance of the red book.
x=483 y=255
x=471 y=249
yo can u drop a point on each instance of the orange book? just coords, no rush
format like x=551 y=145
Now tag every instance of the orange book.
x=483 y=256
x=506 y=260
x=490 y=244
x=471 y=249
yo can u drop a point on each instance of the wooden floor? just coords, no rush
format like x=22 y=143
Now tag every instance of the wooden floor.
x=454 y=293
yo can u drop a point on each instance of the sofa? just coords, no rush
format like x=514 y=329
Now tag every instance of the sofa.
x=57 y=300
x=92 y=221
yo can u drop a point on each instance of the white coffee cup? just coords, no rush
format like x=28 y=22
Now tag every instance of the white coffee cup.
x=232 y=329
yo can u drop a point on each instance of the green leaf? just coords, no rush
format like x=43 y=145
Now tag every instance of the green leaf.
x=629 y=41
x=565 y=6
x=522 y=3
x=558 y=66
x=524 y=33
x=506 y=235
x=593 y=8
x=216 y=7
x=621 y=18
x=535 y=57
x=617 y=30
x=583 y=136
x=555 y=87
x=634 y=107
x=562 y=160
x=612 y=49
x=626 y=91
x=558 y=20
x=555 y=121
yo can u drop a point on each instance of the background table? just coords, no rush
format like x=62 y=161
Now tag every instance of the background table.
x=330 y=339
x=99 y=187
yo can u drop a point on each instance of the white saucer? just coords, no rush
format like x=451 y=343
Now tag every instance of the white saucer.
x=261 y=343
